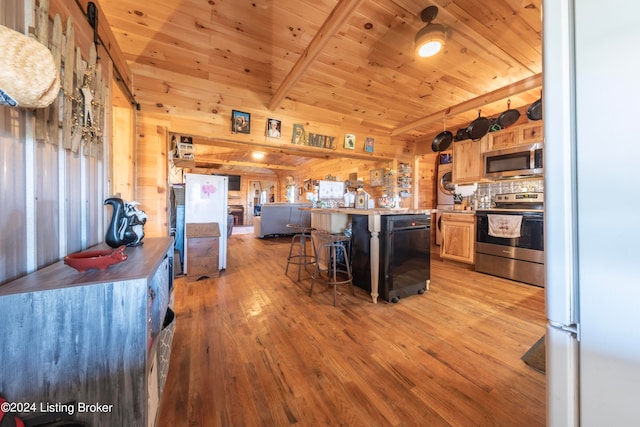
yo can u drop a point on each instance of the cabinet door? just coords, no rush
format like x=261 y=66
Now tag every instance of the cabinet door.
x=458 y=238
x=506 y=138
x=467 y=161
x=531 y=133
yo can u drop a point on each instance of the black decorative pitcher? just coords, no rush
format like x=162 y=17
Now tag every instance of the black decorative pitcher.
x=127 y=223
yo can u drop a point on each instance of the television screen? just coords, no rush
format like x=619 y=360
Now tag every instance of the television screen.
x=234 y=182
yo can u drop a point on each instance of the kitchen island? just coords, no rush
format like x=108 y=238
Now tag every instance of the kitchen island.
x=336 y=220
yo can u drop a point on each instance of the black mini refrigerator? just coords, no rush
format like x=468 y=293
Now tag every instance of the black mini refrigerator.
x=405 y=244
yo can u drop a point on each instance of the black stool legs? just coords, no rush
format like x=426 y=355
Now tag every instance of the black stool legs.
x=300 y=257
x=329 y=249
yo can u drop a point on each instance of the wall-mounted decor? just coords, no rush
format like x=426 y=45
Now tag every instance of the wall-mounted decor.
x=308 y=186
x=240 y=121
x=368 y=144
x=350 y=141
x=299 y=135
x=322 y=141
x=377 y=178
x=274 y=128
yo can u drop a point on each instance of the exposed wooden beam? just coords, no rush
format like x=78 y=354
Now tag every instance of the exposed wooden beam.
x=289 y=149
x=472 y=104
x=214 y=161
x=340 y=14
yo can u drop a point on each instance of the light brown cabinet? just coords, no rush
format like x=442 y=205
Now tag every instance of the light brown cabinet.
x=529 y=133
x=467 y=161
x=458 y=237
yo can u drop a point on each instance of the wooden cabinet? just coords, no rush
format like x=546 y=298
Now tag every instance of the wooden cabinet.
x=203 y=246
x=467 y=161
x=458 y=237
x=499 y=140
x=529 y=133
x=89 y=337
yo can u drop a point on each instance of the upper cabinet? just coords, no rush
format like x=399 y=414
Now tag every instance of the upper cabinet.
x=531 y=133
x=528 y=133
x=467 y=161
x=467 y=154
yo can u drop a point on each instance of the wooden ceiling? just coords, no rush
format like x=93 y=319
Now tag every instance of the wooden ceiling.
x=347 y=63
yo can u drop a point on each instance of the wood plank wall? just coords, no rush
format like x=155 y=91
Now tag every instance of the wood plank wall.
x=152 y=181
x=388 y=153
x=123 y=154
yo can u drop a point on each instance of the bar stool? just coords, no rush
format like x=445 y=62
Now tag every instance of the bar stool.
x=333 y=259
x=301 y=234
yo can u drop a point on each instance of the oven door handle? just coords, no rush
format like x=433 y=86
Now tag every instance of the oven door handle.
x=413 y=227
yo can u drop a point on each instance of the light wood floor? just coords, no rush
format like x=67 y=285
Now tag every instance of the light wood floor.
x=251 y=348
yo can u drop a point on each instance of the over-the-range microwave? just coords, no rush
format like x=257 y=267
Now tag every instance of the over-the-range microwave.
x=525 y=160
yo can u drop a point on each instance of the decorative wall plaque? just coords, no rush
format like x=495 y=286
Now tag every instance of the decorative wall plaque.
x=377 y=177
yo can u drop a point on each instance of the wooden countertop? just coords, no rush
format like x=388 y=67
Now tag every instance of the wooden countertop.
x=141 y=262
x=376 y=211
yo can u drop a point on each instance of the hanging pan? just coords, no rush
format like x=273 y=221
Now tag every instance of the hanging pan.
x=443 y=140
x=509 y=117
x=461 y=135
x=534 y=112
x=479 y=127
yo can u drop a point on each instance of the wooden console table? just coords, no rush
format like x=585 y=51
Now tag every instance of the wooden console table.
x=88 y=337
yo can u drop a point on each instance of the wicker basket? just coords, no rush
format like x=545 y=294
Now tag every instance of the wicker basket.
x=28 y=74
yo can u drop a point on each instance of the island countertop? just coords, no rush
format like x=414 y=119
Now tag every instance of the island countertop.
x=375 y=211
x=335 y=220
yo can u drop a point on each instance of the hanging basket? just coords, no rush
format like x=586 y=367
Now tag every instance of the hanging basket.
x=28 y=75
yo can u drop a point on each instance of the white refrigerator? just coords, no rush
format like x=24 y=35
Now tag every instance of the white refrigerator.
x=592 y=227
x=205 y=200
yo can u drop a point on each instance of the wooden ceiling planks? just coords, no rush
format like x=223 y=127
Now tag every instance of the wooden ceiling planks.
x=211 y=57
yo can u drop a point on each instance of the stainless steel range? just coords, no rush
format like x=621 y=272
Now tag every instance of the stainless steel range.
x=510 y=239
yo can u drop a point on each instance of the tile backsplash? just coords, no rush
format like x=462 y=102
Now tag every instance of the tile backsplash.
x=490 y=189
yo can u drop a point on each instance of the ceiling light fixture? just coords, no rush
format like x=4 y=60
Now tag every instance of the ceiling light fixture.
x=430 y=39
x=258 y=155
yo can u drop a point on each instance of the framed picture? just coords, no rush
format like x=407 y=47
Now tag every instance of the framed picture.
x=361 y=201
x=350 y=141
x=240 y=121
x=368 y=144
x=377 y=178
x=308 y=186
x=299 y=135
x=274 y=128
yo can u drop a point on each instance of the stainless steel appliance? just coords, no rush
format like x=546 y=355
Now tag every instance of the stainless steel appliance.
x=592 y=339
x=444 y=183
x=516 y=161
x=404 y=255
x=510 y=238
x=444 y=191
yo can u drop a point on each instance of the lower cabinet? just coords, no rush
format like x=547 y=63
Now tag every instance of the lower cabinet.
x=87 y=342
x=458 y=237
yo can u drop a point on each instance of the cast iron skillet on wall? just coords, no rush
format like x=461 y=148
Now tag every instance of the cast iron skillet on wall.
x=534 y=112
x=479 y=127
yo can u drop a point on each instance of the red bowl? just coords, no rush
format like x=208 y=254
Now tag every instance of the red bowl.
x=99 y=260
